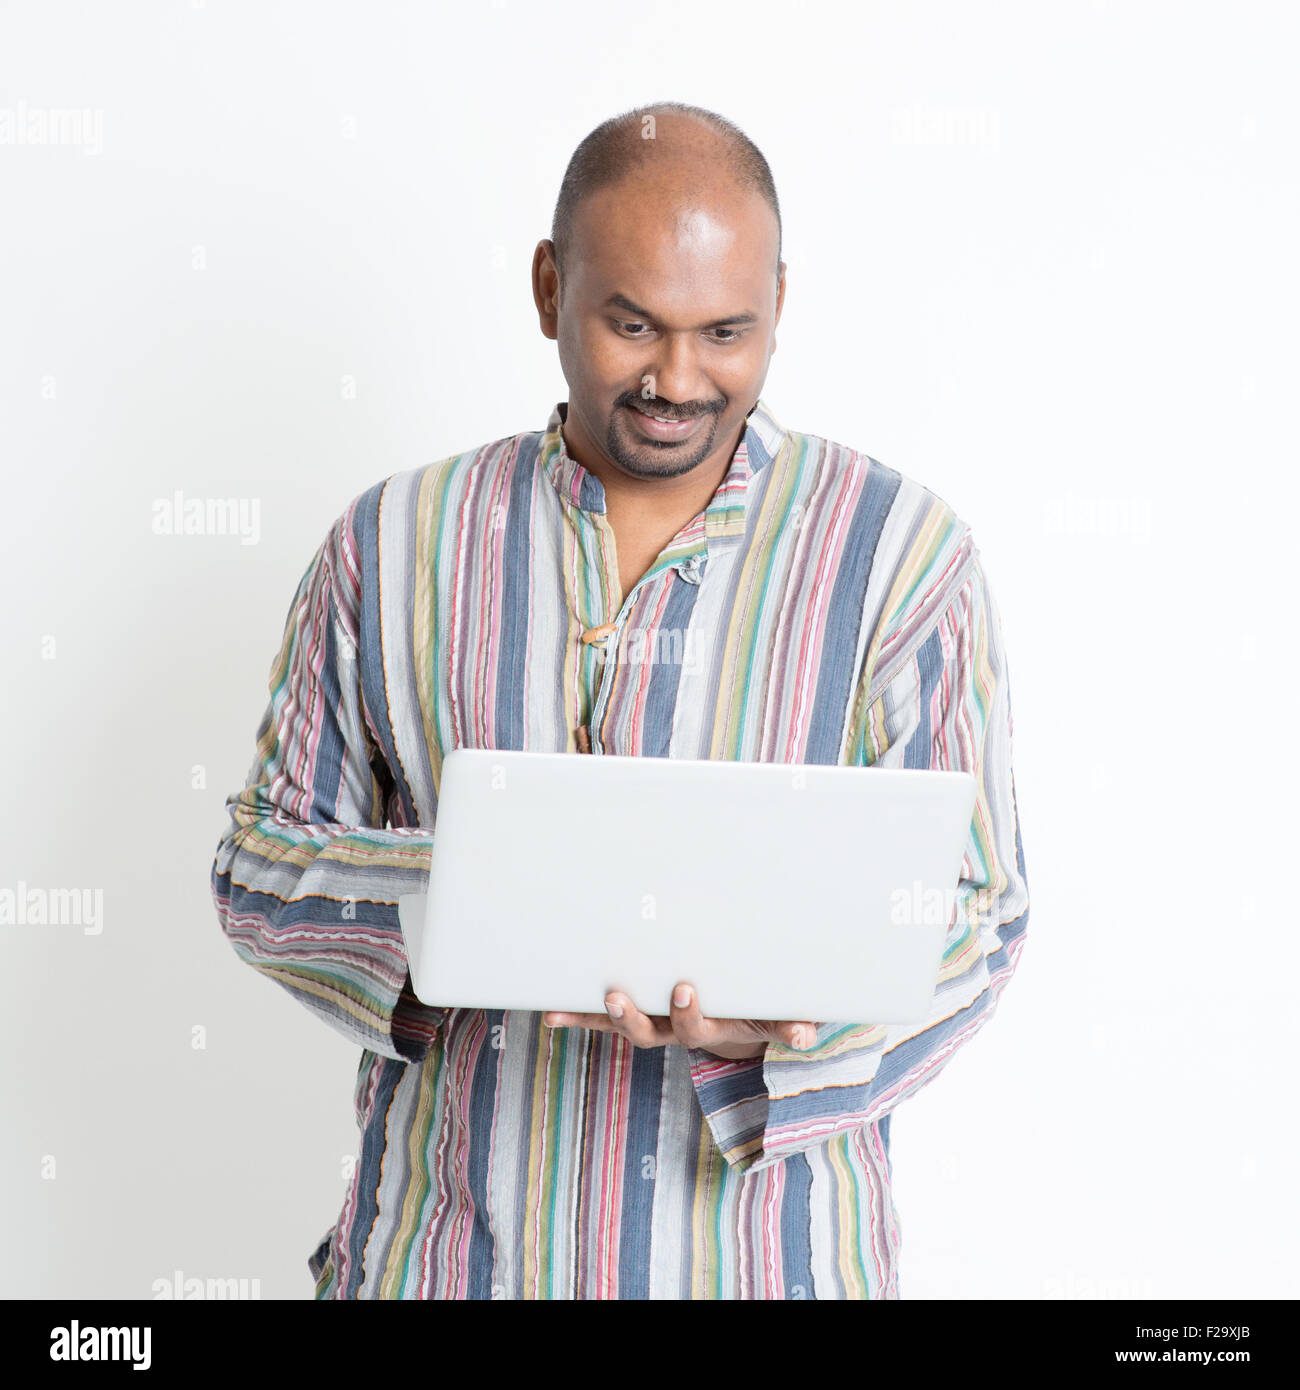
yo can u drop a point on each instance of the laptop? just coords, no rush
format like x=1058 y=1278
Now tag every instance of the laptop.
x=780 y=891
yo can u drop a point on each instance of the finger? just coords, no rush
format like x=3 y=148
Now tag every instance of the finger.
x=646 y=1030
x=641 y=1030
x=599 y=1022
x=690 y=1027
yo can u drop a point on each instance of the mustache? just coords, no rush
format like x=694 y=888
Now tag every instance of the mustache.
x=671 y=412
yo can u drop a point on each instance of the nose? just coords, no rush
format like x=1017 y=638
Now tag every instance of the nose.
x=676 y=371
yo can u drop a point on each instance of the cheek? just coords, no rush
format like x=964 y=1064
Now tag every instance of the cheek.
x=741 y=370
x=585 y=349
x=575 y=361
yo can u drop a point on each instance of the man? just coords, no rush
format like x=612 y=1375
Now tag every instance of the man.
x=831 y=611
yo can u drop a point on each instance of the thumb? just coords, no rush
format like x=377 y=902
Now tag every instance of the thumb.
x=800 y=1036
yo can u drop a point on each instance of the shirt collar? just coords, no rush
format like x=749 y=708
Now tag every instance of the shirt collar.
x=725 y=514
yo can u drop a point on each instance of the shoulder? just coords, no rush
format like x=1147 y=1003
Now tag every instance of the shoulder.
x=924 y=564
x=391 y=522
x=394 y=500
x=922 y=549
x=427 y=486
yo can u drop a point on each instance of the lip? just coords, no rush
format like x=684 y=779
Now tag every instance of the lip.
x=670 y=433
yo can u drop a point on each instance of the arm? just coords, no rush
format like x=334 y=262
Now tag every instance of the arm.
x=946 y=705
x=305 y=879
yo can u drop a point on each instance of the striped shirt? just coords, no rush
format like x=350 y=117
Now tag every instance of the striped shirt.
x=822 y=608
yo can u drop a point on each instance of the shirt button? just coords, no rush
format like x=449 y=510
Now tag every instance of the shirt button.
x=598 y=634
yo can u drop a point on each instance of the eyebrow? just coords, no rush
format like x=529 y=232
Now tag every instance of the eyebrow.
x=621 y=301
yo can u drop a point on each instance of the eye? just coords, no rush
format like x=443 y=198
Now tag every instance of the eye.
x=628 y=327
x=733 y=335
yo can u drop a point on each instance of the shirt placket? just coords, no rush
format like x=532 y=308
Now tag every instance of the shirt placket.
x=605 y=638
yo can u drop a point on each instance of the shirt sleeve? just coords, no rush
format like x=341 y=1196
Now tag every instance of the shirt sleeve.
x=944 y=705
x=306 y=877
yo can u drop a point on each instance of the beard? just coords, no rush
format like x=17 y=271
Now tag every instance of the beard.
x=657 y=458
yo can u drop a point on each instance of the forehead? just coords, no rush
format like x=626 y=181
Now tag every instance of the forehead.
x=668 y=235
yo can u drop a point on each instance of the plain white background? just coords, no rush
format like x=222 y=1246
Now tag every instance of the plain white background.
x=1041 y=258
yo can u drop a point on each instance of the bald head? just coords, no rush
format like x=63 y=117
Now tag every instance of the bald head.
x=687 y=152
x=662 y=285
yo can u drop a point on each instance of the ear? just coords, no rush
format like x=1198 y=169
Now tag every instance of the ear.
x=546 y=288
x=780 y=303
